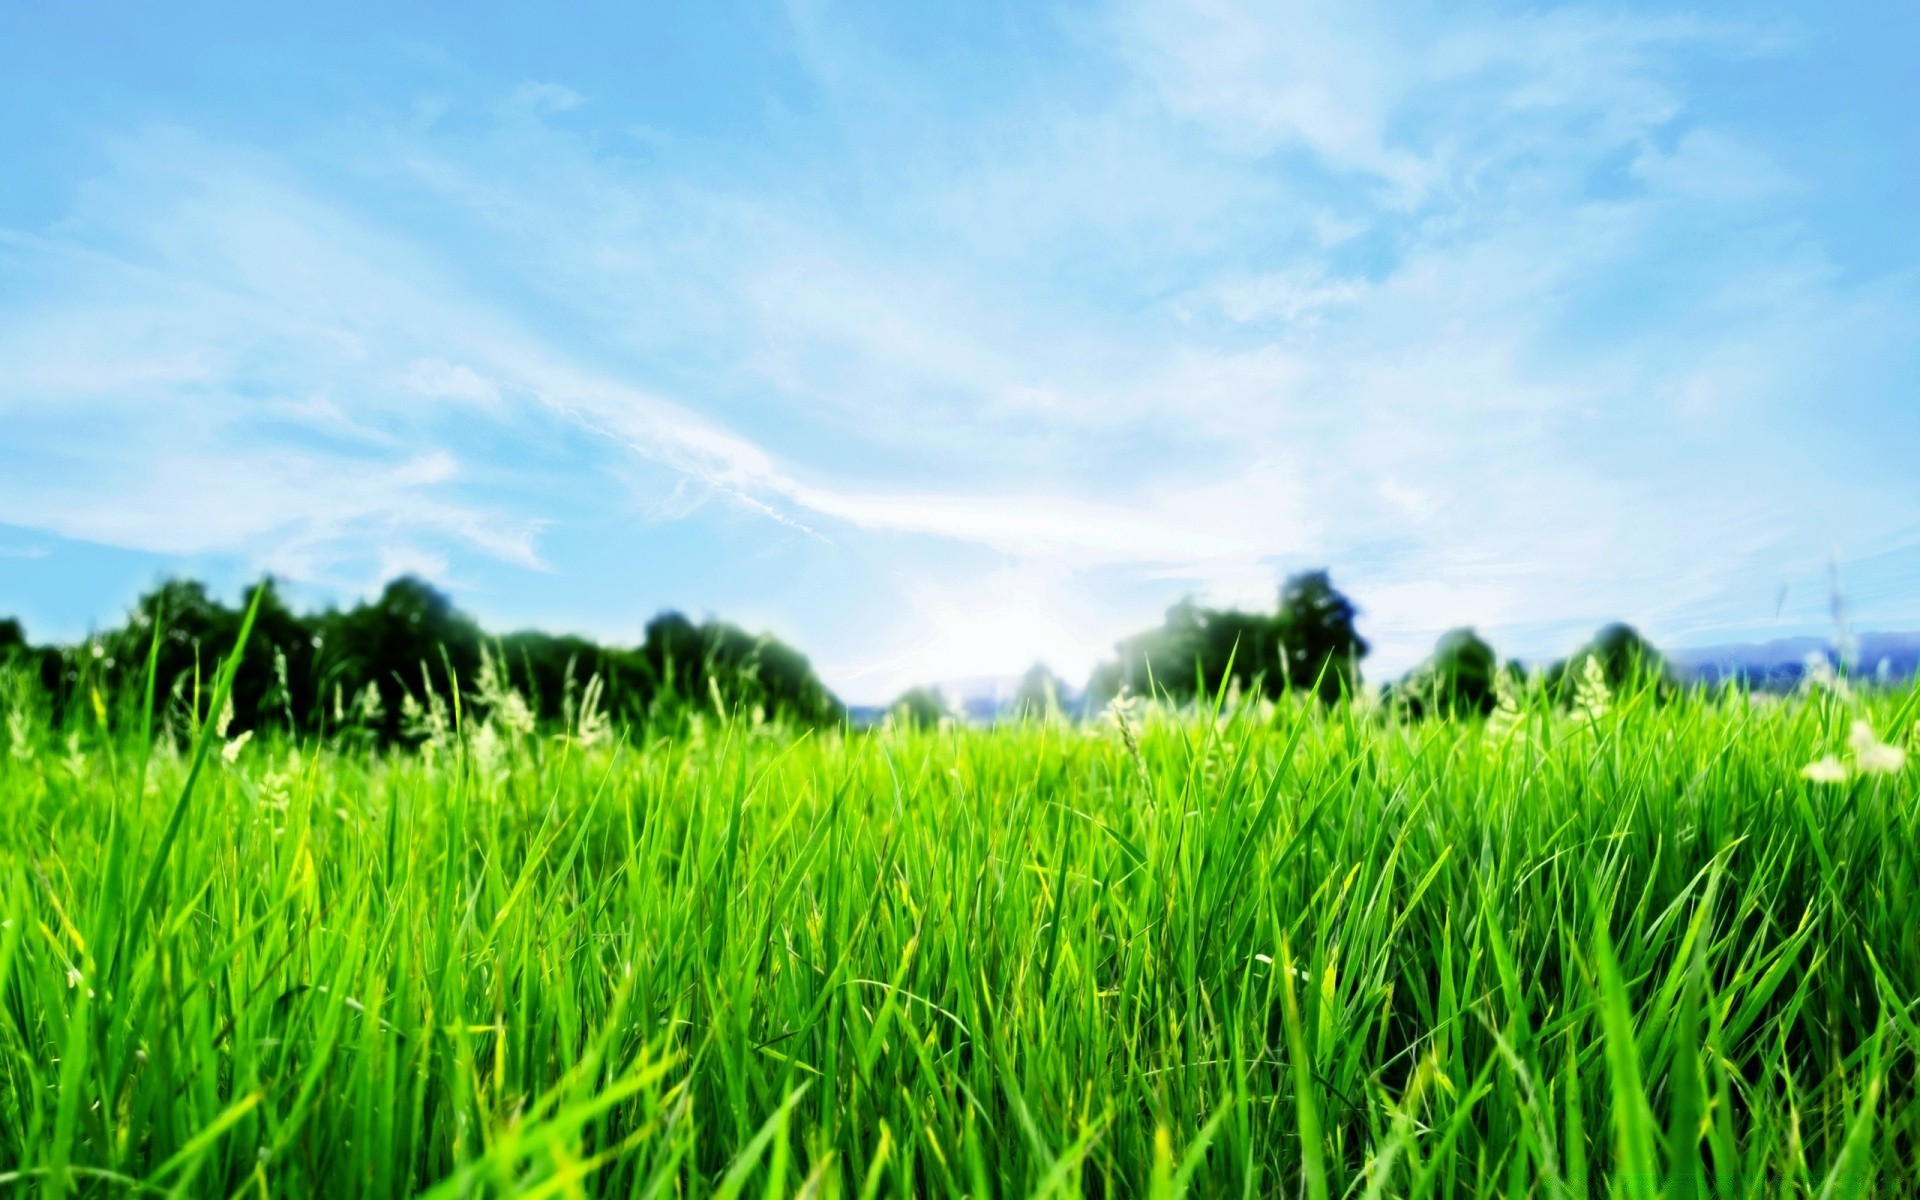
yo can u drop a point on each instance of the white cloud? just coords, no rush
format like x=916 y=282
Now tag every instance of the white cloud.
x=293 y=509
x=1316 y=283
x=1423 y=101
x=1214 y=526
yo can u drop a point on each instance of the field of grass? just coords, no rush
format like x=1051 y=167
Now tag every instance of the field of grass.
x=1295 y=950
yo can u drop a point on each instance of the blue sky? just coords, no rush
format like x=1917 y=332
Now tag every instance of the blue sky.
x=940 y=338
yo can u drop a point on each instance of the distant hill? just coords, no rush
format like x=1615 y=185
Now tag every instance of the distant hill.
x=1780 y=664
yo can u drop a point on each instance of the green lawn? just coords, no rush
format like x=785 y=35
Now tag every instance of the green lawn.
x=1296 y=951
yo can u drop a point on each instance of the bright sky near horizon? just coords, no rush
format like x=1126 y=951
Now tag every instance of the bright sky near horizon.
x=940 y=338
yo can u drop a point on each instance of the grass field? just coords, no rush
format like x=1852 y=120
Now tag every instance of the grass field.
x=1282 y=951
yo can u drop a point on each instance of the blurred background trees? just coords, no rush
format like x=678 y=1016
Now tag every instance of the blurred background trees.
x=919 y=708
x=1628 y=663
x=1457 y=680
x=1038 y=695
x=1308 y=643
x=366 y=668
x=358 y=667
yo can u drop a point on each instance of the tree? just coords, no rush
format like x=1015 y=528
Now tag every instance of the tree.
x=1038 y=695
x=919 y=708
x=357 y=667
x=1309 y=643
x=410 y=639
x=685 y=662
x=1628 y=662
x=1456 y=681
x=1103 y=685
x=1321 y=650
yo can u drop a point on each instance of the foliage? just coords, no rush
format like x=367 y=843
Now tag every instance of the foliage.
x=1301 y=949
x=1457 y=680
x=1308 y=643
x=919 y=708
x=359 y=669
x=1314 y=627
x=1625 y=660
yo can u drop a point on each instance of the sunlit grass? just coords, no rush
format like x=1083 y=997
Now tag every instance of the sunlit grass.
x=1290 y=951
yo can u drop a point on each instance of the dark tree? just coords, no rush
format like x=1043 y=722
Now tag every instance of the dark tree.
x=357 y=667
x=1198 y=652
x=1628 y=662
x=1195 y=653
x=409 y=640
x=918 y=708
x=1458 y=680
x=1321 y=649
x=685 y=663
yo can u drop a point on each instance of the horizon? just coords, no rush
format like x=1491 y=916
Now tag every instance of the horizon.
x=1841 y=644
x=973 y=336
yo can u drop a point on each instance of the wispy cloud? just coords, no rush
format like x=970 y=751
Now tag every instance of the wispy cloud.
x=1482 y=308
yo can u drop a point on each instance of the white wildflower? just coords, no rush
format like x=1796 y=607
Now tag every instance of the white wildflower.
x=1121 y=708
x=1825 y=770
x=505 y=707
x=1592 y=696
x=1881 y=759
x=369 y=709
x=19 y=739
x=1819 y=674
x=1873 y=756
x=282 y=691
x=1507 y=717
x=231 y=750
x=592 y=726
x=427 y=723
x=487 y=749
x=1819 y=670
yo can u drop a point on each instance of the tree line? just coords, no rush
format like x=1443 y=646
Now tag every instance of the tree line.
x=372 y=668
x=1310 y=643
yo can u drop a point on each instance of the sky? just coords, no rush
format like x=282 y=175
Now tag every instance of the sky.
x=941 y=338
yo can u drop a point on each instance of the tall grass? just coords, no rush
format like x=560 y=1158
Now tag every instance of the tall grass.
x=1294 y=950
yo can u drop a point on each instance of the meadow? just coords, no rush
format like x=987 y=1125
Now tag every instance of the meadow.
x=1242 y=948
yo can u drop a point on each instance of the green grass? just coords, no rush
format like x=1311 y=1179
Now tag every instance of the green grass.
x=1292 y=951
